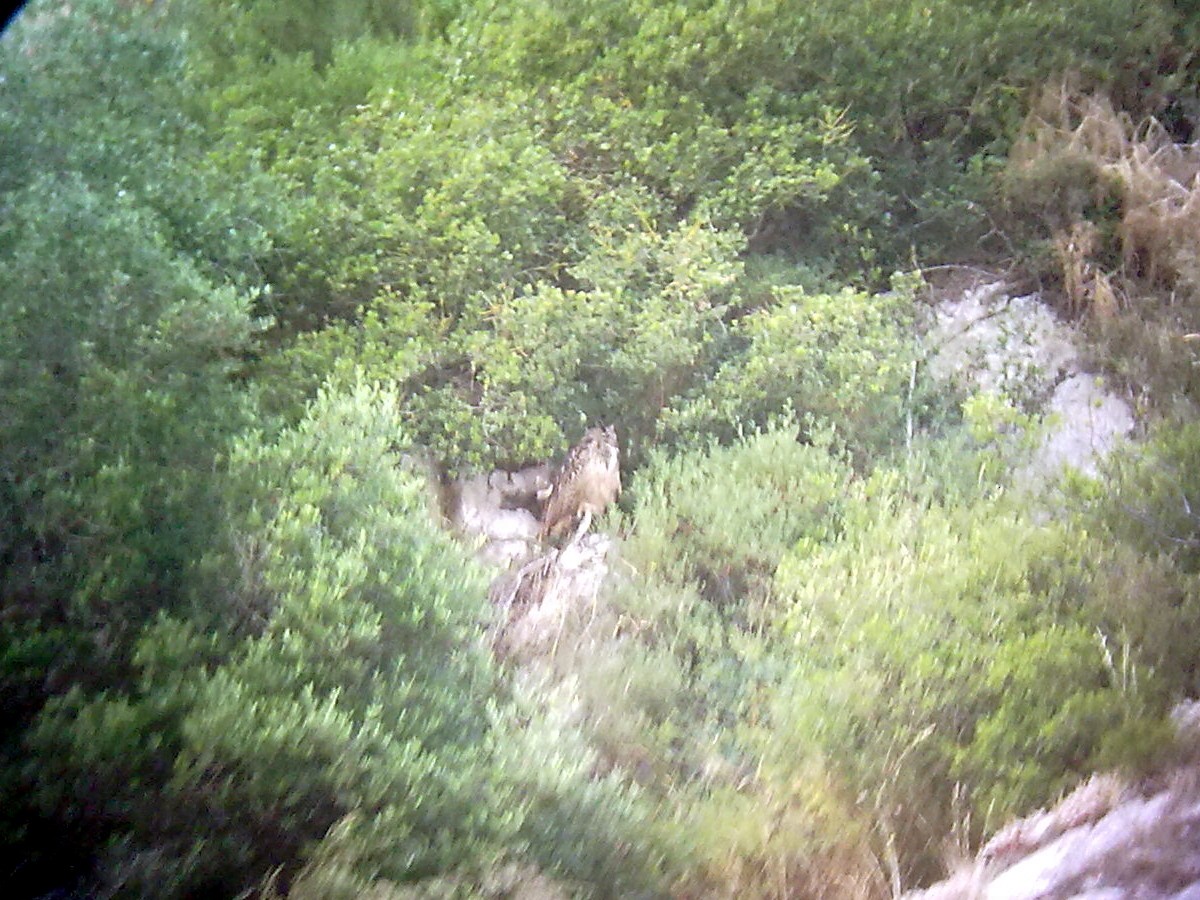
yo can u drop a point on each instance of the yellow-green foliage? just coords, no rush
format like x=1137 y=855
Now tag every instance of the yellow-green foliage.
x=842 y=360
x=235 y=648
x=925 y=86
x=932 y=641
x=676 y=690
x=339 y=678
x=866 y=666
x=1115 y=200
x=721 y=519
x=781 y=836
x=535 y=290
x=534 y=172
x=1150 y=500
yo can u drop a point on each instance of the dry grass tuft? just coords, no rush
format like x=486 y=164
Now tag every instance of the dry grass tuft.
x=1075 y=151
x=1088 y=288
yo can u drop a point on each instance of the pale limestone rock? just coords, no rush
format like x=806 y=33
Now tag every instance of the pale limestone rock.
x=1085 y=422
x=1093 y=853
x=550 y=594
x=511 y=525
x=473 y=504
x=503 y=553
x=985 y=340
x=1091 y=801
x=1103 y=841
x=496 y=509
x=1186 y=719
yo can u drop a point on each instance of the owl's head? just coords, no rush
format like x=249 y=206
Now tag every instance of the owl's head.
x=600 y=434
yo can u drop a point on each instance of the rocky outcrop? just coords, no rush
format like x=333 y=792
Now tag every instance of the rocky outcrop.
x=1143 y=847
x=498 y=511
x=1108 y=840
x=984 y=339
x=548 y=595
x=539 y=588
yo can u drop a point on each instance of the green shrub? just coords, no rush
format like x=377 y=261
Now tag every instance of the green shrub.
x=333 y=699
x=931 y=90
x=1150 y=497
x=722 y=519
x=698 y=660
x=117 y=354
x=622 y=345
x=841 y=359
x=339 y=676
x=302 y=30
x=960 y=645
x=259 y=668
x=529 y=169
x=509 y=375
x=129 y=266
x=99 y=89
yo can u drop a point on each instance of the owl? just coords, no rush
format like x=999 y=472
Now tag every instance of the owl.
x=587 y=482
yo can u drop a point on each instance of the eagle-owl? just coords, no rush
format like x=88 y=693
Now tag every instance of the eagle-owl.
x=587 y=482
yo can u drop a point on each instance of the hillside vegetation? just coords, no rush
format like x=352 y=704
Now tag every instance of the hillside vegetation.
x=265 y=264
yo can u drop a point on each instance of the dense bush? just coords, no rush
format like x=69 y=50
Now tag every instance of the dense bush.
x=545 y=150
x=238 y=655
x=128 y=265
x=843 y=360
x=329 y=675
x=938 y=639
x=117 y=353
x=522 y=173
x=531 y=286
x=336 y=680
x=1151 y=499
x=926 y=87
x=96 y=89
x=282 y=31
x=684 y=527
x=845 y=661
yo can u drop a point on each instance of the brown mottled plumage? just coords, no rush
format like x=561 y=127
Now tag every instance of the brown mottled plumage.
x=587 y=482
